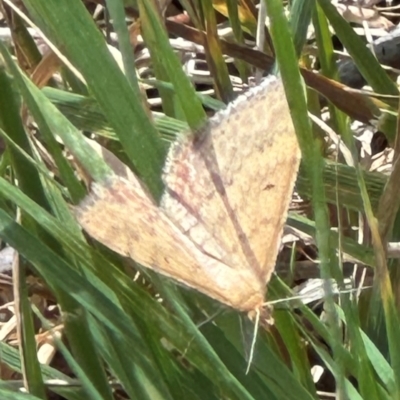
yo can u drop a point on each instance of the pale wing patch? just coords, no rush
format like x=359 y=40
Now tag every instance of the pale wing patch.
x=261 y=184
x=191 y=195
x=235 y=181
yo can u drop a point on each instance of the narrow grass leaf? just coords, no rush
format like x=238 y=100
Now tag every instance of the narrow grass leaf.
x=28 y=178
x=162 y=53
x=216 y=63
x=312 y=161
x=59 y=273
x=87 y=385
x=69 y=26
x=50 y=119
x=300 y=18
x=366 y=62
x=31 y=368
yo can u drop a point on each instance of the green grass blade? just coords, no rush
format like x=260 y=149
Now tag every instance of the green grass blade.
x=162 y=54
x=312 y=161
x=31 y=367
x=10 y=120
x=59 y=273
x=50 y=119
x=300 y=18
x=88 y=386
x=118 y=17
x=366 y=62
x=216 y=61
x=12 y=395
x=69 y=25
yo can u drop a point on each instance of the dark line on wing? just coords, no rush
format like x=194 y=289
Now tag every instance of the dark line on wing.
x=191 y=211
x=210 y=160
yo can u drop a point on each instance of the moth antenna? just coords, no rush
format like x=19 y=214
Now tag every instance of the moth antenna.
x=307 y=295
x=209 y=319
x=253 y=343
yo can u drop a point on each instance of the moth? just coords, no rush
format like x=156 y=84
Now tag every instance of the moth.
x=218 y=226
